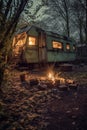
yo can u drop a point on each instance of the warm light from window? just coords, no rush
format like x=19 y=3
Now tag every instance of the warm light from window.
x=19 y=40
x=68 y=46
x=20 y=43
x=57 y=45
x=32 y=41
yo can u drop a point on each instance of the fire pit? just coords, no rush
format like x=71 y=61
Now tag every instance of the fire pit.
x=52 y=80
x=49 y=81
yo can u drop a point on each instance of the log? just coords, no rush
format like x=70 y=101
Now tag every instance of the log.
x=63 y=87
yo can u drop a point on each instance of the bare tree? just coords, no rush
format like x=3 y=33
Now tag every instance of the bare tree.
x=84 y=6
x=62 y=9
x=10 y=11
x=79 y=18
x=30 y=14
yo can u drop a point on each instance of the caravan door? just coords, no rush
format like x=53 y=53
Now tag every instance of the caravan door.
x=42 y=48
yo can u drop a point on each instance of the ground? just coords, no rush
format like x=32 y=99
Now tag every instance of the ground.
x=34 y=107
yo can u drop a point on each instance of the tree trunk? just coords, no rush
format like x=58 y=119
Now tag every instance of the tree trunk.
x=8 y=29
x=1 y=76
x=2 y=65
x=67 y=17
x=86 y=22
x=67 y=25
x=81 y=36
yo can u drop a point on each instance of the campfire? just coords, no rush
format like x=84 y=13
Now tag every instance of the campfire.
x=55 y=77
x=51 y=80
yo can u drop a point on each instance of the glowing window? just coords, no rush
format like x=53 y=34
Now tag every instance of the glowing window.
x=57 y=45
x=67 y=46
x=32 y=41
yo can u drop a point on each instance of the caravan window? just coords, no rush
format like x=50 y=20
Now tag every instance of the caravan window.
x=57 y=45
x=32 y=41
x=67 y=46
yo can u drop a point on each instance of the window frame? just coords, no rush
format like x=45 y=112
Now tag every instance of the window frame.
x=35 y=41
x=57 y=42
x=68 y=49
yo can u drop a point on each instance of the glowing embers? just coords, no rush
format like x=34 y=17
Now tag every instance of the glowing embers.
x=60 y=82
x=32 y=41
x=69 y=81
x=55 y=78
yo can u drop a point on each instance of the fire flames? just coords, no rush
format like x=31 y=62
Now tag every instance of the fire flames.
x=51 y=77
x=54 y=78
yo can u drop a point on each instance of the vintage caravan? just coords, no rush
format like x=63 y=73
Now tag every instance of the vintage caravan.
x=33 y=45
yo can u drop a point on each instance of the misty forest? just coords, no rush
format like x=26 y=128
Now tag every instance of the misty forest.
x=43 y=64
